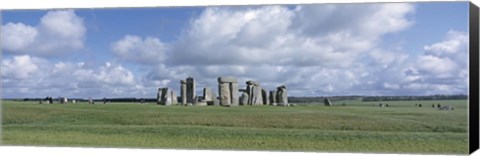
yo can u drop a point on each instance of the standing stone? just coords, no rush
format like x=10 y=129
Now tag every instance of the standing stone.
x=254 y=91
x=265 y=97
x=190 y=90
x=244 y=99
x=327 y=102
x=258 y=95
x=224 y=92
x=183 y=92
x=250 y=90
x=166 y=97
x=234 y=93
x=214 y=99
x=174 y=98
x=273 y=98
x=159 y=95
x=282 y=98
x=228 y=91
x=208 y=96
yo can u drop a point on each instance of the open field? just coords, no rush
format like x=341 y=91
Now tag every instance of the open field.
x=356 y=127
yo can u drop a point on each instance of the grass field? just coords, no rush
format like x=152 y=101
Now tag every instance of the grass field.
x=356 y=127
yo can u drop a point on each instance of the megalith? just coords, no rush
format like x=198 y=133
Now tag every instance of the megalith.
x=327 y=102
x=254 y=92
x=282 y=96
x=208 y=96
x=228 y=91
x=273 y=97
x=165 y=96
x=265 y=98
x=244 y=99
x=190 y=90
x=183 y=92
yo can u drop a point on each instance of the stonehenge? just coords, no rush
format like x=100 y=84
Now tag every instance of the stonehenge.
x=228 y=91
x=228 y=94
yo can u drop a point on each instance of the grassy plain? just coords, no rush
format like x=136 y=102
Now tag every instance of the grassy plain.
x=356 y=127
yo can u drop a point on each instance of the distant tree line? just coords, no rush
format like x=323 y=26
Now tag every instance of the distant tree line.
x=407 y=98
x=321 y=98
x=291 y=99
x=376 y=98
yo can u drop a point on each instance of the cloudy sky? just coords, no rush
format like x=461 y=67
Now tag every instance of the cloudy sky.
x=315 y=50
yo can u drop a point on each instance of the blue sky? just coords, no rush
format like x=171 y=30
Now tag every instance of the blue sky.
x=315 y=50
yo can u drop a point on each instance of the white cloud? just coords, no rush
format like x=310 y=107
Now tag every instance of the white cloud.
x=435 y=65
x=314 y=50
x=308 y=48
x=58 y=32
x=146 y=51
x=17 y=36
x=277 y=35
x=27 y=76
x=19 y=67
x=455 y=43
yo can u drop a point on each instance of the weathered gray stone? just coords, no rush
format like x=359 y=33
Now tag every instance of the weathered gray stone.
x=174 y=98
x=250 y=91
x=234 y=94
x=198 y=102
x=273 y=98
x=224 y=93
x=244 y=99
x=159 y=95
x=258 y=96
x=207 y=94
x=164 y=96
x=183 y=92
x=327 y=102
x=266 y=100
x=190 y=90
x=282 y=96
x=250 y=82
x=446 y=108
x=228 y=91
x=227 y=79
x=214 y=99
x=63 y=100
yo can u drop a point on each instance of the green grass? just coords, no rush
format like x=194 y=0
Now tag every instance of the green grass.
x=357 y=127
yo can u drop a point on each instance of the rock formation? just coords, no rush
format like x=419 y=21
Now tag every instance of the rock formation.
x=190 y=90
x=273 y=97
x=228 y=91
x=327 y=102
x=165 y=96
x=282 y=96
x=183 y=92
x=244 y=99
x=208 y=96
x=254 y=92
